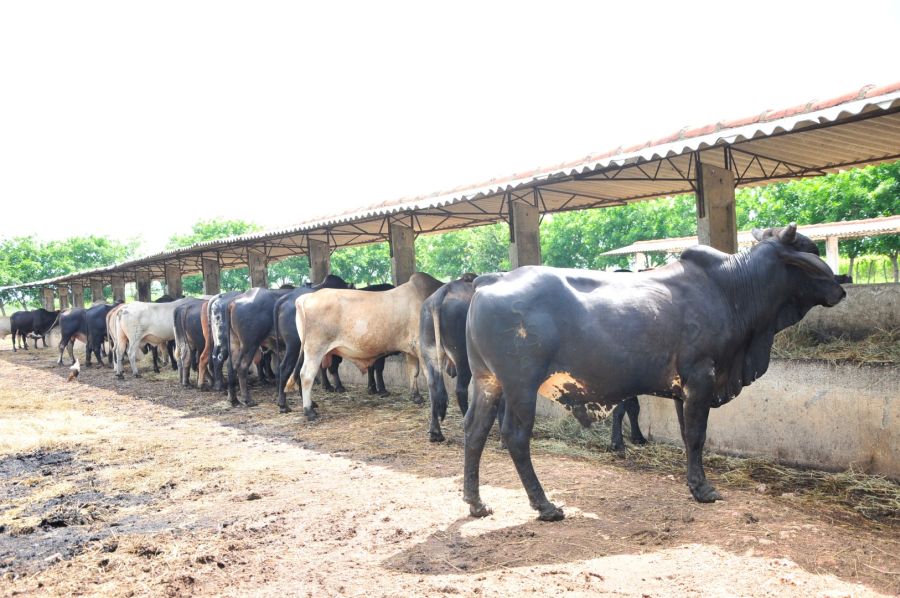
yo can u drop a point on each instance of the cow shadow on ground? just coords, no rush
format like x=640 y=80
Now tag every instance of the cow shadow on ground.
x=610 y=510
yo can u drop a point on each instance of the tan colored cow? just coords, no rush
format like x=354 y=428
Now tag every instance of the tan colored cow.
x=360 y=326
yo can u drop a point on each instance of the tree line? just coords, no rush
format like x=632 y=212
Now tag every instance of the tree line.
x=571 y=239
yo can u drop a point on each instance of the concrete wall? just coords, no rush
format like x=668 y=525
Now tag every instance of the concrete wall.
x=808 y=413
x=866 y=309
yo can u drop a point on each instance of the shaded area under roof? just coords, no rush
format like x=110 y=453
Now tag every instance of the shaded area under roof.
x=850 y=229
x=806 y=140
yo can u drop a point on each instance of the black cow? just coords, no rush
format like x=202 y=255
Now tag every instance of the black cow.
x=374 y=373
x=38 y=322
x=700 y=328
x=72 y=327
x=252 y=317
x=284 y=318
x=843 y=279
x=189 y=341
x=95 y=318
x=442 y=333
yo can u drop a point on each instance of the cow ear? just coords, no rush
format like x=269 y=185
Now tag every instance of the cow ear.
x=809 y=263
x=758 y=234
x=788 y=234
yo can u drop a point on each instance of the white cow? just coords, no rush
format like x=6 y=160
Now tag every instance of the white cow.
x=5 y=328
x=140 y=323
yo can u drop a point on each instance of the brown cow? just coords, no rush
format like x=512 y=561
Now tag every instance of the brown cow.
x=360 y=327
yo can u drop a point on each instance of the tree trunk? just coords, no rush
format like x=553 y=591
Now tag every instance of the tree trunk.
x=2 y=309
x=850 y=269
x=896 y=266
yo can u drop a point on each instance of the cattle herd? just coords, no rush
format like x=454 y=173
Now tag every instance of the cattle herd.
x=697 y=331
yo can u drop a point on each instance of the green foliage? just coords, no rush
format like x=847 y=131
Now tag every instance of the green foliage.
x=450 y=255
x=237 y=279
x=292 y=270
x=577 y=239
x=363 y=265
x=26 y=259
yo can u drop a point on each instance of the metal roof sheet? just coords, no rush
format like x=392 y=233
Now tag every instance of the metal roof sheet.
x=850 y=229
x=810 y=139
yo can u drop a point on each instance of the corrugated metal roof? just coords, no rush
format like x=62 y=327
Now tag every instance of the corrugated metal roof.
x=810 y=139
x=850 y=229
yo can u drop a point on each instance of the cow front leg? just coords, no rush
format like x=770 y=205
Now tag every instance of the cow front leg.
x=72 y=351
x=291 y=353
x=62 y=349
x=412 y=370
x=477 y=425
x=378 y=374
x=633 y=409
x=133 y=359
x=333 y=370
x=617 y=443
x=698 y=393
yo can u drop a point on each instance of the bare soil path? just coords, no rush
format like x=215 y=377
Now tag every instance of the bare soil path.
x=141 y=487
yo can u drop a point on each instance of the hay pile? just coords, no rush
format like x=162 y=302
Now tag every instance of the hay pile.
x=873 y=497
x=797 y=342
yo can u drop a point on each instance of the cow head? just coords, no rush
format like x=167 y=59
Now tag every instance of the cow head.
x=810 y=280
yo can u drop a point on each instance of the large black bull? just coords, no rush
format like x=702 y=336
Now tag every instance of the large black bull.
x=699 y=330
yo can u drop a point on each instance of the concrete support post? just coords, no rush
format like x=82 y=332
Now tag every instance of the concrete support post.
x=118 y=287
x=640 y=262
x=831 y=253
x=211 y=276
x=173 y=282
x=77 y=294
x=716 y=220
x=63 y=292
x=319 y=260
x=256 y=262
x=403 y=253
x=97 y=291
x=524 y=235
x=142 y=282
x=47 y=299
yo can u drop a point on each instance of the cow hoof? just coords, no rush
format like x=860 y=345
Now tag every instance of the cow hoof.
x=138 y=375
x=384 y=394
x=550 y=512
x=372 y=391
x=120 y=376
x=480 y=510
x=705 y=493
x=417 y=399
x=284 y=409
x=435 y=437
x=340 y=389
x=639 y=441
x=617 y=446
x=251 y=403
x=311 y=415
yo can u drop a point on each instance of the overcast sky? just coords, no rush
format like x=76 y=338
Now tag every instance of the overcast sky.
x=133 y=119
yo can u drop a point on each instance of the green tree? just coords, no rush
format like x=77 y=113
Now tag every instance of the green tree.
x=448 y=256
x=292 y=270
x=237 y=279
x=27 y=259
x=363 y=265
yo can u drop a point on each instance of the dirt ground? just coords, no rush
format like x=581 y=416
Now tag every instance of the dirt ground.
x=141 y=487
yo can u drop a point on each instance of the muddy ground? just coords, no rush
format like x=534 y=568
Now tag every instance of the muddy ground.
x=141 y=487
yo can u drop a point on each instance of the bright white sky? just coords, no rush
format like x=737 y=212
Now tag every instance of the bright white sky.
x=134 y=119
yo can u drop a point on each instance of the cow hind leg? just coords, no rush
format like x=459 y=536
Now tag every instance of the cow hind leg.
x=437 y=394
x=616 y=442
x=245 y=360
x=477 y=425
x=288 y=363
x=311 y=363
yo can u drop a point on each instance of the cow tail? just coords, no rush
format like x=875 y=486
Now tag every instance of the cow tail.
x=277 y=338
x=439 y=348
x=291 y=384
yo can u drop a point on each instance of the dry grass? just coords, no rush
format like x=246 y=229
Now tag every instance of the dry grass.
x=798 y=342
x=873 y=497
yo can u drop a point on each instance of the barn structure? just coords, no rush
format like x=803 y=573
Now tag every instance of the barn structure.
x=812 y=139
